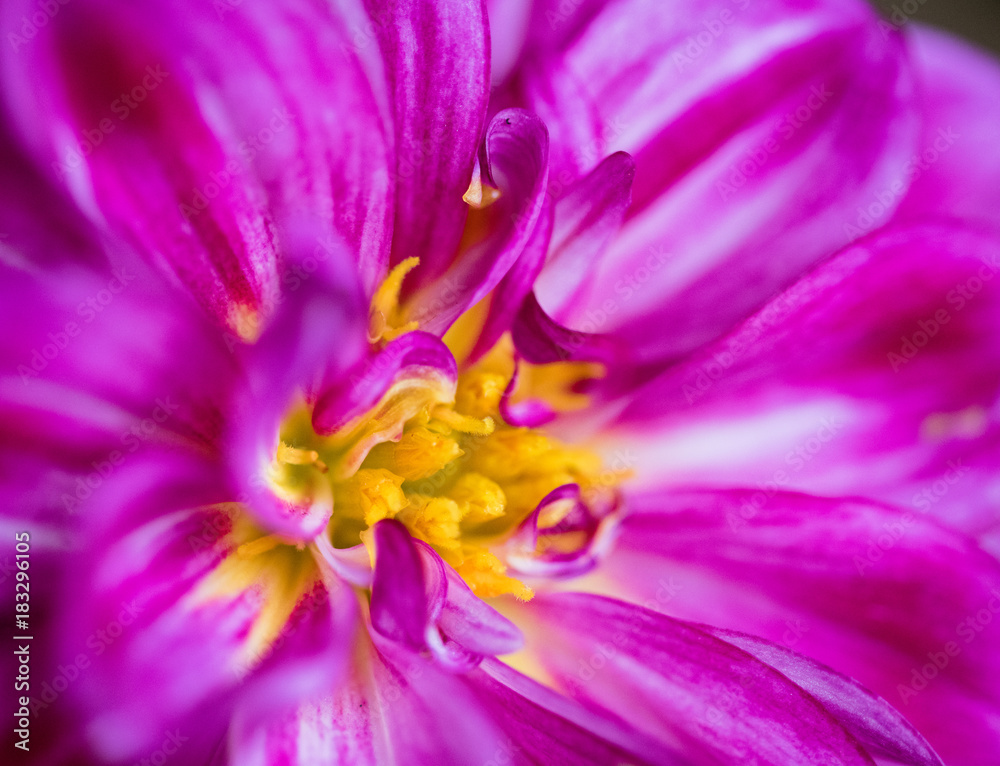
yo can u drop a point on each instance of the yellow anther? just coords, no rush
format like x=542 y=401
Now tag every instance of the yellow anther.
x=434 y=520
x=372 y=494
x=385 y=312
x=418 y=454
x=464 y=423
x=480 y=195
x=509 y=452
x=297 y=456
x=479 y=393
x=487 y=575
x=480 y=499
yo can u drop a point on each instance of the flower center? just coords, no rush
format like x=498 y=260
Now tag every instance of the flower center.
x=438 y=455
x=439 y=458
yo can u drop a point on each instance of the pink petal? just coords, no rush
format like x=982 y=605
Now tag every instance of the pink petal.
x=587 y=218
x=541 y=340
x=880 y=728
x=701 y=697
x=90 y=377
x=517 y=153
x=344 y=399
x=399 y=604
x=876 y=374
x=548 y=727
x=506 y=299
x=954 y=169
x=473 y=624
x=318 y=334
x=436 y=59
x=734 y=194
x=877 y=594
x=156 y=657
x=396 y=709
x=221 y=144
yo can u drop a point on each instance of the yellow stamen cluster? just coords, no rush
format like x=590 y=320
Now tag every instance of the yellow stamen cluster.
x=438 y=457
x=385 y=320
x=443 y=463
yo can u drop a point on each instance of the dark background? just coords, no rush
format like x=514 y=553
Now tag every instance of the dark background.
x=976 y=20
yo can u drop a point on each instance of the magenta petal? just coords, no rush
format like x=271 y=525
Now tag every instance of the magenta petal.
x=318 y=333
x=880 y=728
x=343 y=399
x=586 y=220
x=38 y=220
x=436 y=59
x=198 y=152
x=517 y=162
x=953 y=168
x=542 y=340
x=547 y=727
x=311 y=654
x=880 y=595
x=397 y=708
x=399 y=604
x=156 y=656
x=474 y=624
x=750 y=163
x=89 y=375
x=848 y=368
x=672 y=681
x=506 y=300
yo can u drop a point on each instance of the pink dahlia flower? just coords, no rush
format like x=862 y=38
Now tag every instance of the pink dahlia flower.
x=590 y=383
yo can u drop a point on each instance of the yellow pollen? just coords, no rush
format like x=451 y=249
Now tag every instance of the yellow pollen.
x=372 y=494
x=435 y=520
x=479 y=393
x=480 y=499
x=465 y=424
x=385 y=320
x=487 y=576
x=436 y=455
x=418 y=454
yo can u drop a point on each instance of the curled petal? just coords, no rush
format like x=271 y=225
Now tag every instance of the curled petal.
x=318 y=333
x=750 y=164
x=399 y=609
x=516 y=149
x=587 y=218
x=343 y=399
